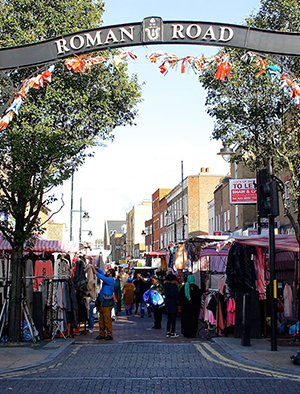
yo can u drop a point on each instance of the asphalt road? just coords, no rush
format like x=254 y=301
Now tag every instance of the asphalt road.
x=142 y=360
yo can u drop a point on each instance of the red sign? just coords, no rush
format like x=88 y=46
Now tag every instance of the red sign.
x=242 y=191
x=217 y=232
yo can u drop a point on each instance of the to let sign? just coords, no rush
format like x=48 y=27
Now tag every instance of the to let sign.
x=242 y=191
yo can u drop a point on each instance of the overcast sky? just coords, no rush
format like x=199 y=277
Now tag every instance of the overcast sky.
x=172 y=124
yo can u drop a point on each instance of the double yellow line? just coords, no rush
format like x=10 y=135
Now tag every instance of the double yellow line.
x=212 y=355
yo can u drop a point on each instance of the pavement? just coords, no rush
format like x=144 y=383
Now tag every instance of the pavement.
x=16 y=357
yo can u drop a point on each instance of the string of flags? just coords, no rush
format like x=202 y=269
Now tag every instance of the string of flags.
x=76 y=64
x=165 y=63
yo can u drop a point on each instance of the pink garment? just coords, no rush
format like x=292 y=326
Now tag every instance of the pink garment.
x=221 y=325
x=42 y=269
x=260 y=269
x=230 y=312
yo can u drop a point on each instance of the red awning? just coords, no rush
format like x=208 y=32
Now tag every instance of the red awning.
x=44 y=245
x=156 y=254
x=282 y=241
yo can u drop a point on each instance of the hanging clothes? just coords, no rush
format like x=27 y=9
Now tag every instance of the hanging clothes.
x=230 y=312
x=42 y=269
x=288 y=301
x=181 y=258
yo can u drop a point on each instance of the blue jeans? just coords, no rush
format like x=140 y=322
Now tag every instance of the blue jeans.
x=91 y=315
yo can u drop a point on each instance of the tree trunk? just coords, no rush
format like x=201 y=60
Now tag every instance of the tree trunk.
x=15 y=299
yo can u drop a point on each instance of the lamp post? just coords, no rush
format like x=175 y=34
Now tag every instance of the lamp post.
x=83 y=215
x=226 y=152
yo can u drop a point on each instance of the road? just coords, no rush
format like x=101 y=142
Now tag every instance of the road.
x=141 y=360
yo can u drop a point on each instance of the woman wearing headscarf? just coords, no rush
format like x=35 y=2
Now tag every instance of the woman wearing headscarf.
x=128 y=296
x=190 y=297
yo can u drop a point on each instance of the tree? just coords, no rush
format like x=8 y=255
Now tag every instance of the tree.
x=255 y=111
x=47 y=141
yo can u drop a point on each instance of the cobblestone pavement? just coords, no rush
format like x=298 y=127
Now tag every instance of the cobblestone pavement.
x=141 y=360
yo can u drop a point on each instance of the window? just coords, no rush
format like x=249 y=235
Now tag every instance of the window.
x=236 y=216
x=228 y=220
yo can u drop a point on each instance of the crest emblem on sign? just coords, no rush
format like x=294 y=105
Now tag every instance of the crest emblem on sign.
x=152 y=29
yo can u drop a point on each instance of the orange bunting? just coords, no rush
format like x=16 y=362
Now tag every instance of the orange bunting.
x=76 y=64
x=223 y=69
x=263 y=64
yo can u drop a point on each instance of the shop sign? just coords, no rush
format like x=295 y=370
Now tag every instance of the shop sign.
x=242 y=191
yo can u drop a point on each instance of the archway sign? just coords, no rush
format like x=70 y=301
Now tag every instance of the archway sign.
x=151 y=31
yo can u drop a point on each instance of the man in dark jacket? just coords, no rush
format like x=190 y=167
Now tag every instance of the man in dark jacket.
x=157 y=309
x=171 y=305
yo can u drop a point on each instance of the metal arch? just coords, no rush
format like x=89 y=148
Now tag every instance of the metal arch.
x=151 y=31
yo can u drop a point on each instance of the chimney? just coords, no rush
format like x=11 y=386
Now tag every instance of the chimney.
x=202 y=169
x=207 y=169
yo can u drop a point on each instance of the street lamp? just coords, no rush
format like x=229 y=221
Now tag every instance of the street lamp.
x=226 y=152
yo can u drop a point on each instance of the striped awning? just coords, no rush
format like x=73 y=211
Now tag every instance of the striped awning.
x=39 y=244
x=286 y=242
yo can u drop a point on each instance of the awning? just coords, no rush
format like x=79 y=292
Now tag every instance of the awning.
x=218 y=254
x=44 y=245
x=282 y=241
x=156 y=254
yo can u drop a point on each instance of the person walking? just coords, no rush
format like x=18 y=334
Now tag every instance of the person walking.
x=190 y=297
x=107 y=302
x=171 y=304
x=128 y=296
x=137 y=293
x=144 y=285
x=157 y=309
x=118 y=295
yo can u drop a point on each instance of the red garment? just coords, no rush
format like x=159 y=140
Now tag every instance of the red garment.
x=42 y=269
x=230 y=312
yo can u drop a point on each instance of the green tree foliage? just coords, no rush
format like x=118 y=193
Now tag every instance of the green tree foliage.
x=257 y=114
x=45 y=143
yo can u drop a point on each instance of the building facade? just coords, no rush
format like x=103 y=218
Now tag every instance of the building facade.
x=135 y=220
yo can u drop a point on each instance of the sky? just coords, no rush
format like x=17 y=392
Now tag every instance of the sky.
x=172 y=124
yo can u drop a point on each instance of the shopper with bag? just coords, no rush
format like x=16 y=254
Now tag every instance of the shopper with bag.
x=157 y=301
x=107 y=302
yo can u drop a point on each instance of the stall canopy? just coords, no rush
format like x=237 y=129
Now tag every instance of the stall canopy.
x=286 y=242
x=217 y=253
x=38 y=244
x=156 y=254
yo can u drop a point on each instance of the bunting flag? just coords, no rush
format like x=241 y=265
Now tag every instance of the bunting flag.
x=166 y=61
x=83 y=63
x=35 y=83
x=76 y=64
x=197 y=64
